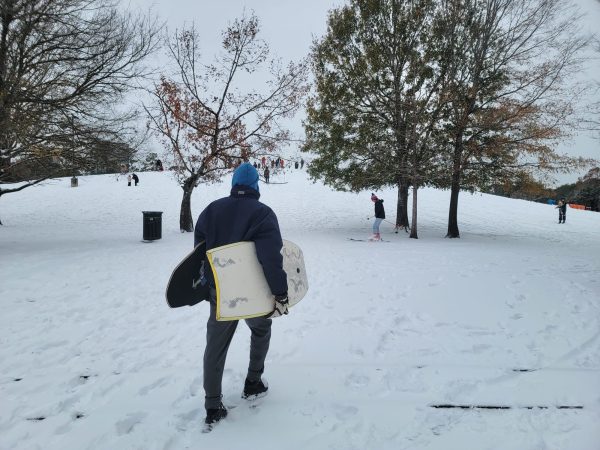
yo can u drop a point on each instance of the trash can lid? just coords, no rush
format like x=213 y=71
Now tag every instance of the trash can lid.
x=152 y=212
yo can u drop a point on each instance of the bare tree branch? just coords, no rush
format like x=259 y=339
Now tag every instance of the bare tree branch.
x=64 y=66
x=210 y=124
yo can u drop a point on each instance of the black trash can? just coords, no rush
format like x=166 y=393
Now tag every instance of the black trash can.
x=152 y=225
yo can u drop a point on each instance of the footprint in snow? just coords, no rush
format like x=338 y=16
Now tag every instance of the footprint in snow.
x=127 y=425
x=64 y=429
x=356 y=351
x=193 y=416
x=477 y=348
x=158 y=383
x=357 y=380
x=516 y=300
x=344 y=412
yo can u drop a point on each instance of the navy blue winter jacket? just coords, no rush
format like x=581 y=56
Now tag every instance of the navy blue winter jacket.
x=241 y=217
x=379 y=211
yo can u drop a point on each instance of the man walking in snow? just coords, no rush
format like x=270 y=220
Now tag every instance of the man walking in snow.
x=379 y=216
x=241 y=217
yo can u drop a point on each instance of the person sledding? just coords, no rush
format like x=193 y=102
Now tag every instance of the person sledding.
x=379 y=216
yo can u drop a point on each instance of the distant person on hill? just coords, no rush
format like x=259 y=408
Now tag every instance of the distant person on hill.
x=267 y=173
x=128 y=180
x=159 y=165
x=302 y=163
x=379 y=216
x=135 y=179
x=241 y=217
x=295 y=164
x=562 y=210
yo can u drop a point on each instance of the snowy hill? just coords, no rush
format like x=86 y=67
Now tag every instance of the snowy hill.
x=508 y=315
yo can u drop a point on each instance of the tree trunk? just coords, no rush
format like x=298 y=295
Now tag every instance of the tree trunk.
x=186 y=221
x=455 y=190
x=453 y=213
x=413 y=229
x=402 y=206
x=1 y=198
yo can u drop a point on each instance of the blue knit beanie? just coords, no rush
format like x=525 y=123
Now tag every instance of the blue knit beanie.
x=245 y=175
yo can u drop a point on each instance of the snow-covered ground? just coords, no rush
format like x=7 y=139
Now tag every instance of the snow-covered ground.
x=387 y=329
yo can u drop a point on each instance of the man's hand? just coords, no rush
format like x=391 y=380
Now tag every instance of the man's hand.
x=281 y=306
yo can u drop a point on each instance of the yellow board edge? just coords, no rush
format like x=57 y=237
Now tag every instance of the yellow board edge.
x=209 y=254
x=214 y=272
x=226 y=246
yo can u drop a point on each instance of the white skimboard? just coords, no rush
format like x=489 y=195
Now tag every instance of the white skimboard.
x=242 y=290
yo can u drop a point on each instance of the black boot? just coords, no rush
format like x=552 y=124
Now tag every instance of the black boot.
x=215 y=415
x=254 y=388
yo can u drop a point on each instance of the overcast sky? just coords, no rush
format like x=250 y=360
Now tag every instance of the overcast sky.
x=290 y=25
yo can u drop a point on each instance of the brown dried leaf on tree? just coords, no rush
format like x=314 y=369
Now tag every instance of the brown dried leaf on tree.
x=206 y=115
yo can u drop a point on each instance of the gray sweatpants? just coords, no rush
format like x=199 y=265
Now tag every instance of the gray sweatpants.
x=218 y=338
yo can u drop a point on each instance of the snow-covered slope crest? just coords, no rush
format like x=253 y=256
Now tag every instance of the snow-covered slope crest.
x=91 y=357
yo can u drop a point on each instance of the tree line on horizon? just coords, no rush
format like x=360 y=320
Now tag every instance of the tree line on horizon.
x=585 y=191
x=456 y=94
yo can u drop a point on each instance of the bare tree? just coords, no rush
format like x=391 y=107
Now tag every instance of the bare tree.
x=511 y=100
x=591 y=121
x=64 y=65
x=208 y=119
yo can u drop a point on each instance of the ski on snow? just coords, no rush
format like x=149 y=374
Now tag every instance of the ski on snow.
x=367 y=240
